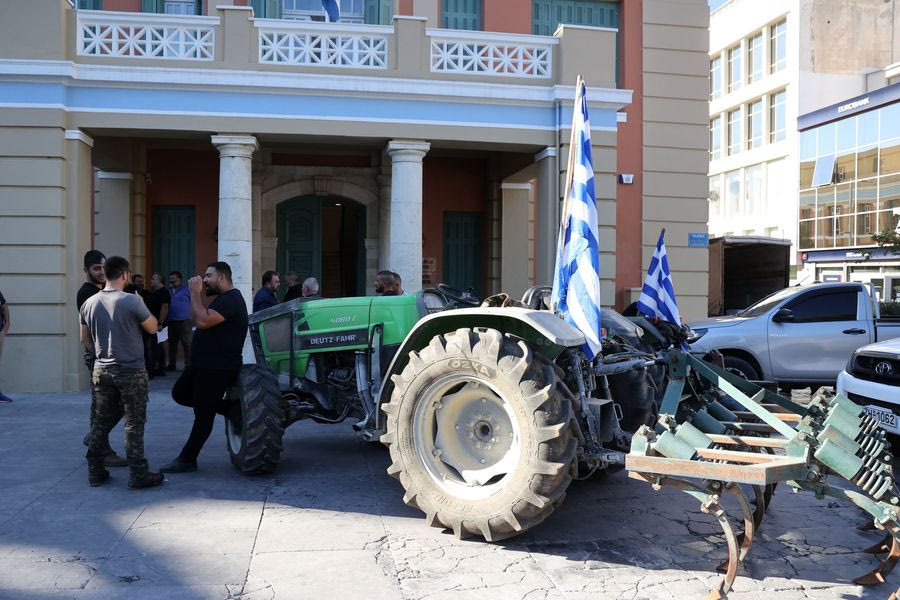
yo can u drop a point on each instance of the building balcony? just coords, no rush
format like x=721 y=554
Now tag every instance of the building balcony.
x=231 y=64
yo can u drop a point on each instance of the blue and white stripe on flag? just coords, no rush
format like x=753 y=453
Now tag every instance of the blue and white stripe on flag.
x=332 y=10
x=576 y=278
x=658 y=295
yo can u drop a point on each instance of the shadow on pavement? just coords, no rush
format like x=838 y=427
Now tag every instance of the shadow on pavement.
x=196 y=536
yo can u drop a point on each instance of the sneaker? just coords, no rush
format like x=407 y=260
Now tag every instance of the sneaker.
x=97 y=478
x=179 y=466
x=114 y=460
x=147 y=480
x=4 y=398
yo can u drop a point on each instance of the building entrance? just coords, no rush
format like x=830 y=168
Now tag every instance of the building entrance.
x=323 y=237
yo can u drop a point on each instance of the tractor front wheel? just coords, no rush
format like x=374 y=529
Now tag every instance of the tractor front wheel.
x=479 y=431
x=255 y=424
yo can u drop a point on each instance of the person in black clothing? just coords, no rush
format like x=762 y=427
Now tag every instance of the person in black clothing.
x=294 y=289
x=216 y=358
x=158 y=303
x=95 y=279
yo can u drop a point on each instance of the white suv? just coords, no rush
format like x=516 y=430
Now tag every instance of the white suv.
x=872 y=380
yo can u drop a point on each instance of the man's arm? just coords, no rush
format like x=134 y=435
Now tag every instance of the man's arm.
x=86 y=340
x=204 y=318
x=4 y=316
x=150 y=325
x=163 y=315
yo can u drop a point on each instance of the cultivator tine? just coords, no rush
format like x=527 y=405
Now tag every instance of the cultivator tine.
x=761 y=504
x=734 y=556
x=881 y=547
x=878 y=575
x=745 y=538
x=767 y=439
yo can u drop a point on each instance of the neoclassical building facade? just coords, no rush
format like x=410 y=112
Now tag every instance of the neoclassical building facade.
x=333 y=150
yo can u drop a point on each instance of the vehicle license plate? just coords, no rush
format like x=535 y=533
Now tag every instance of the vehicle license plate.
x=885 y=418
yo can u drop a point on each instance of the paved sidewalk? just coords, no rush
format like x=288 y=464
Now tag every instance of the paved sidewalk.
x=331 y=524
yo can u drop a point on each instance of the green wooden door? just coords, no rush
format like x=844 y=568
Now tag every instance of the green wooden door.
x=378 y=12
x=463 y=251
x=299 y=237
x=461 y=14
x=174 y=240
x=547 y=15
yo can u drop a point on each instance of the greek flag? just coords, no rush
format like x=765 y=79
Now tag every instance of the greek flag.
x=658 y=296
x=332 y=10
x=576 y=278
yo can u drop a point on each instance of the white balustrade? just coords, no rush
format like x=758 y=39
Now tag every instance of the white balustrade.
x=131 y=35
x=475 y=53
x=323 y=44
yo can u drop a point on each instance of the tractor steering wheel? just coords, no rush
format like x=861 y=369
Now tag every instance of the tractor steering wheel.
x=455 y=296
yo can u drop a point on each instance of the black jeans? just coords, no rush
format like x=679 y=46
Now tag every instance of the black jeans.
x=203 y=390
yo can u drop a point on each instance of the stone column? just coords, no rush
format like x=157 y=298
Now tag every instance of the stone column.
x=79 y=178
x=384 y=212
x=547 y=216
x=406 y=211
x=236 y=211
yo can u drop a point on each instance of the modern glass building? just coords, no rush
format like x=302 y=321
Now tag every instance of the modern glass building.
x=850 y=189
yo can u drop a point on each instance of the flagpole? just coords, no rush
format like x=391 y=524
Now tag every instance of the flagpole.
x=571 y=158
x=570 y=166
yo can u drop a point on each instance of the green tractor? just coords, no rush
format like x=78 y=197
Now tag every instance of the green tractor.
x=488 y=412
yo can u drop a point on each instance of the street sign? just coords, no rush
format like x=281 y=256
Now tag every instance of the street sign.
x=698 y=240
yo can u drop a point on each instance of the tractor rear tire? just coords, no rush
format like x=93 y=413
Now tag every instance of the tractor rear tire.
x=479 y=431
x=255 y=426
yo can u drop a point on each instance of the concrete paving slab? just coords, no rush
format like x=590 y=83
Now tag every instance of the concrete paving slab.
x=331 y=523
x=322 y=574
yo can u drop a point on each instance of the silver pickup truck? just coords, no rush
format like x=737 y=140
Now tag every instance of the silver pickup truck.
x=798 y=336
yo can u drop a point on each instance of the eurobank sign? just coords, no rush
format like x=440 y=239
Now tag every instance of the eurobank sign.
x=850 y=106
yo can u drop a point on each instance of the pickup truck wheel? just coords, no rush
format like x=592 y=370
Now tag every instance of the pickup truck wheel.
x=479 y=431
x=255 y=424
x=741 y=368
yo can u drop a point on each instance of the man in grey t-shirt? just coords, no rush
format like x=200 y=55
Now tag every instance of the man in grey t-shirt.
x=111 y=323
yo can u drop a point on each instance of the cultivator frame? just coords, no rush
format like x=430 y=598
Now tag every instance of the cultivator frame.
x=718 y=432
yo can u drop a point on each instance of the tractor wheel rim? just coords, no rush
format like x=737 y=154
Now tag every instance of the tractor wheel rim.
x=467 y=436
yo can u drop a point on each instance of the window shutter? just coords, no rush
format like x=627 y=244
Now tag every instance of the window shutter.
x=152 y=6
x=90 y=4
x=198 y=8
x=378 y=12
x=461 y=14
x=267 y=9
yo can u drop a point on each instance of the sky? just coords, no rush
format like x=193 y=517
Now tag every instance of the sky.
x=714 y=4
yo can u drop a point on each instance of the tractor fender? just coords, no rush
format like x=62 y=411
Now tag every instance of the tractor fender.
x=548 y=334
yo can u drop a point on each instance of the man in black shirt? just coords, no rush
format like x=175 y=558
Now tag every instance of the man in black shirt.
x=294 y=289
x=95 y=279
x=158 y=302
x=216 y=358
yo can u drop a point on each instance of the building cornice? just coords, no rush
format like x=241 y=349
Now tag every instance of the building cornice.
x=598 y=97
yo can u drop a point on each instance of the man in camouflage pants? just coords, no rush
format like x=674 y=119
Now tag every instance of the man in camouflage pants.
x=111 y=323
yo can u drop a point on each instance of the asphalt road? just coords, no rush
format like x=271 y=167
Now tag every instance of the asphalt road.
x=331 y=524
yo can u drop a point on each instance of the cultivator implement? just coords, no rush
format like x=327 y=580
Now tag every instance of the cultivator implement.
x=719 y=436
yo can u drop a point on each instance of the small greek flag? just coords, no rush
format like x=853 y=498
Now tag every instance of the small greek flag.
x=332 y=10
x=576 y=278
x=658 y=296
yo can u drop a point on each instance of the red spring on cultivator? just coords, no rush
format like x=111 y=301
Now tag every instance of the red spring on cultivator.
x=709 y=451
